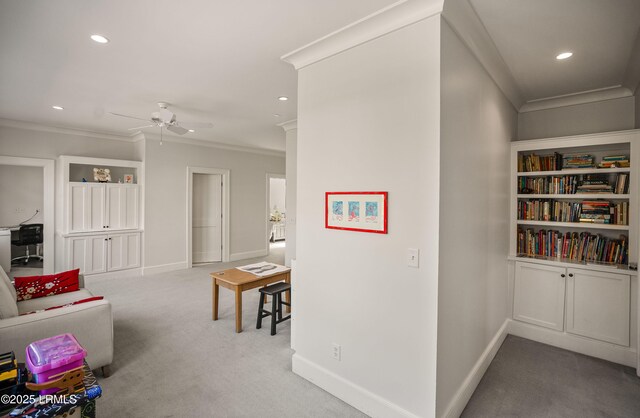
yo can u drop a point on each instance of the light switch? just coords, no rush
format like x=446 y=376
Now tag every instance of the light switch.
x=413 y=257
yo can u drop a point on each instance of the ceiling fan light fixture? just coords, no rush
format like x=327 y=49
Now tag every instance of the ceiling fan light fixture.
x=56 y=107
x=564 y=55
x=99 y=39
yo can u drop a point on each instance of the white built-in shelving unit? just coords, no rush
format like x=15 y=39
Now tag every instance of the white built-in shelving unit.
x=585 y=306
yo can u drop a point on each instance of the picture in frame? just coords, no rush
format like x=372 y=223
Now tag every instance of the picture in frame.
x=357 y=211
x=128 y=178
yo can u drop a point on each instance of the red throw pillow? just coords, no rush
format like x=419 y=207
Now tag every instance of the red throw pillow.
x=91 y=299
x=54 y=284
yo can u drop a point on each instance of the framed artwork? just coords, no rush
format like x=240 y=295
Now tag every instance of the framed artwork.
x=356 y=211
x=128 y=178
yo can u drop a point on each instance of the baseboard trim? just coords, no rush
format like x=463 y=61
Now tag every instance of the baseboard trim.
x=163 y=268
x=356 y=396
x=248 y=254
x=118 y=273
x=462 y=396
x=576 y=343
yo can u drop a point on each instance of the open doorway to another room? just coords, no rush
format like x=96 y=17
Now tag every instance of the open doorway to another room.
x=26 y=216
x=277 y=212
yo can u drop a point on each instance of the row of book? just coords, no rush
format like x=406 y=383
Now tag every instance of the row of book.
x=586 y=183
x=556 y=162
x=535 y=162
x=578 y=161
x=573 y=246
x=614 y=161
x=587 y=211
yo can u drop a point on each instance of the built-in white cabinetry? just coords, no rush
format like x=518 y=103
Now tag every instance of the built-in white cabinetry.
x=598 y=305
x=574 y=243
x=97 y=207
x=101 y=224
x=539 y=295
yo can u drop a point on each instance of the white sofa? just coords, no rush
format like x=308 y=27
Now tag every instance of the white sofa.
x=91 y=322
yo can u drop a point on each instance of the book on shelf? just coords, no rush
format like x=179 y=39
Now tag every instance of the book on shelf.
x=573 y=246
x=572 y=184
x=533 y=162
x=614 y=161
x=578 y=161
x=586 y=211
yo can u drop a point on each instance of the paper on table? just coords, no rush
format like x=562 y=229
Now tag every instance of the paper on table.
x=263 y=269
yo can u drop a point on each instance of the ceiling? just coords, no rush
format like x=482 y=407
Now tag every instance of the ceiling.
x=213 y=61
x=530 y=33
x=219 y=61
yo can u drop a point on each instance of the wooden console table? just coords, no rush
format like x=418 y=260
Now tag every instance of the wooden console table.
x=239 y=281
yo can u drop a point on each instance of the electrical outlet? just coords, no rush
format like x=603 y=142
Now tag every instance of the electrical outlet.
x=337 y=351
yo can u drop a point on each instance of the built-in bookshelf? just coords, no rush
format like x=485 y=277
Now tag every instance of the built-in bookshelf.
x=574 y=199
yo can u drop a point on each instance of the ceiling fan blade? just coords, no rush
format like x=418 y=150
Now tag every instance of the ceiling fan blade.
x=127 y=116
x=196 y=125
x=166 y=115
x=177 y=129
x=141 y=127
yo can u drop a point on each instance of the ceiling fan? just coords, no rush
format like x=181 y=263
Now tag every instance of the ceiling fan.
x=167 y=120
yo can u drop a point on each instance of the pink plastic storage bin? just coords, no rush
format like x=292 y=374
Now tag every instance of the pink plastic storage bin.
x=47 y=359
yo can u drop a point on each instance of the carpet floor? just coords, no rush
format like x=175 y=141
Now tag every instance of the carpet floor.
x=172 y=360
x=531 y=379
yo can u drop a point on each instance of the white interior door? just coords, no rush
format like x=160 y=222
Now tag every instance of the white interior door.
x=207 y=218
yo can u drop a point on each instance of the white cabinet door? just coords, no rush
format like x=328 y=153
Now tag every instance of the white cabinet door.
x=539 y=295
x=124 y=251
x=79 y=219
x=122 y=206
x=87 y=207
x=598 y=305
x=88 y=254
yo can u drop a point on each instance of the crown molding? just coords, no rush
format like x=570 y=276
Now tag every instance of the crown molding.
x=382 y=22
x=597 y=95
x=289 y=125
x=464 y=21
x=212 y=144
x=32 y=126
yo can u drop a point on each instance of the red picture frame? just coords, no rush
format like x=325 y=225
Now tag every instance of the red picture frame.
x=357 y=211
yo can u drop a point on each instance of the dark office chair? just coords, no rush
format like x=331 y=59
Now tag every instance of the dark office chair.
x=30 y=234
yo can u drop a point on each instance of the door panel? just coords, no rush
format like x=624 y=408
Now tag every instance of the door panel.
x=78 y=207
x=539 y=292
x=123 y=206
x=598 y=305
x=207 y=218
x=96 y=207
x=124 y=251
x=88 y=254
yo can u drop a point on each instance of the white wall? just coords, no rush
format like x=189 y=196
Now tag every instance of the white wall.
x=368 y=119
x=477 y=124
x=19 y=142
x=21 y=194
x=292 y=194
x=277 y=191
x=166 y=199
x=603 y=116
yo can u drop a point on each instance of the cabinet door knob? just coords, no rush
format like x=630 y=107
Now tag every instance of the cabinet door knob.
x=105 y=239
x=570 y=274
x=562 y=275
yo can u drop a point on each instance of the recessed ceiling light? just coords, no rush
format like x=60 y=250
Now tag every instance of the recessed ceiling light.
x=283 y=98
x=564 y=55
x=191 y=130
x=99 y=39
x=277 y=115
x=58 y=107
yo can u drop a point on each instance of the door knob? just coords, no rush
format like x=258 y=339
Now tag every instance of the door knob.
x=562 y=275
x=570 y=274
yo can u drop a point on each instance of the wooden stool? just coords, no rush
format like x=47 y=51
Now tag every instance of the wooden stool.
x=275 y=291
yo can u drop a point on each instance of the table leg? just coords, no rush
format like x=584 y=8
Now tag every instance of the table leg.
x=287 y=295
x=216 y=291
x=238 y=309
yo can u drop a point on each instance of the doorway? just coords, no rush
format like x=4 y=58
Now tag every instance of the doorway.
x=276 y=213
x=207 y=219
x=27 y=208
